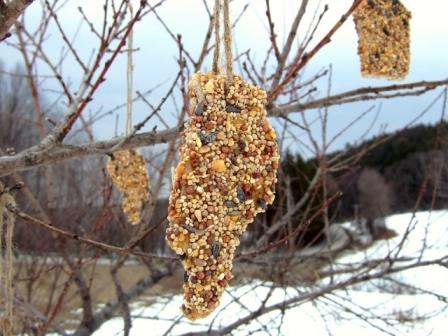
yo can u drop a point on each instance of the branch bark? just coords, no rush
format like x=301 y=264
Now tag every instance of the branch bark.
x=362 y=94
x=9 y=13
x=29 y=159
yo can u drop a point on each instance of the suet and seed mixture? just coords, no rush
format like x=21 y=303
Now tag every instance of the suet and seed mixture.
x=127 y=169
x=384 y=38
x=225 y=177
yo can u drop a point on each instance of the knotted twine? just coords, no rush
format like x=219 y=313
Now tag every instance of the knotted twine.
x=7 y=221
x=227 y=39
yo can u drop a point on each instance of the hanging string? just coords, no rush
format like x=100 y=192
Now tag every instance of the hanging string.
x=9 y=292
x=2 y=275
x=227 y=38
x=129 y=73
x=6 y=263
x=216 y=14
x=228 y=41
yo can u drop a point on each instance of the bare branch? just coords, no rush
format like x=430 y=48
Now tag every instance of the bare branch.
x=9 y=13
x=362 y=94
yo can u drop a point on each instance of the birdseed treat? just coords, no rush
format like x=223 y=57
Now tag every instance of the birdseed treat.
x=225 y=177
x=384 y=38
x=127 y=169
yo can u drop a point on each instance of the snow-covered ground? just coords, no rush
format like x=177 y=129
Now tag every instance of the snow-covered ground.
x=392 y=309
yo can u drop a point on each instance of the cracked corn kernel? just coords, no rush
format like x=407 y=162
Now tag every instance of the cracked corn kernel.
x=219 y=166
x=384 y=38
x=127 y=169
x=216 y=192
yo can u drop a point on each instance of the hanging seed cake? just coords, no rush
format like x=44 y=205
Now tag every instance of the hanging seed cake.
x=225 y=177
x=384 y=38
x=127 y=169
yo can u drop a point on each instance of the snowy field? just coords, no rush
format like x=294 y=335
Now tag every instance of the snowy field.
x=392 y=309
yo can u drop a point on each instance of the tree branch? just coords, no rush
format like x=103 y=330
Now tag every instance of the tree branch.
x=107 y=312
x=87 y=241
x=295 y=68
x=362 y=94
x=315 y=293
x=29 y=159
x=43 y=154
x=9 y=13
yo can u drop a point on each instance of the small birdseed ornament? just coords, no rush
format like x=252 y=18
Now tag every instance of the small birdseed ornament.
x=225 y=177
x=127 y=169
x=384 y=38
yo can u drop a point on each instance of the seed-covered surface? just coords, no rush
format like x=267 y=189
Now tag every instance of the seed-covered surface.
x=225 y=177
x=384 y=38
x=127 y=170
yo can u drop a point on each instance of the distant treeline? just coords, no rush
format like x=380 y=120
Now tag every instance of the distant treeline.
x=407 y=167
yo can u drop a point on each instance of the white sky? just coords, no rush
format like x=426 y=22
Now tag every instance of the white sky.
x=155 y=62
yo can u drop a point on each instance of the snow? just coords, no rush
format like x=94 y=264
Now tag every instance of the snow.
x=334 y=313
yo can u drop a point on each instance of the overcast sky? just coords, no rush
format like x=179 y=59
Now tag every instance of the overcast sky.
x=155 y=61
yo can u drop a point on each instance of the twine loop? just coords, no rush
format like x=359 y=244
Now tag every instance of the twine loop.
x=227 y=40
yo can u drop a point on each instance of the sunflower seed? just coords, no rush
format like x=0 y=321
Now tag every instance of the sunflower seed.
x=240 y=194
x=233 y=109
x=241 y=144
x=216 y=248
x=230 y=204
x=207 y=138
x=234 y=213
x=196 y=231
x=199 y=109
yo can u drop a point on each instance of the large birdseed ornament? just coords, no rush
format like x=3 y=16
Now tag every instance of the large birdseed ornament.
x=127 y=169
x=384 y=38
x=225 y=177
